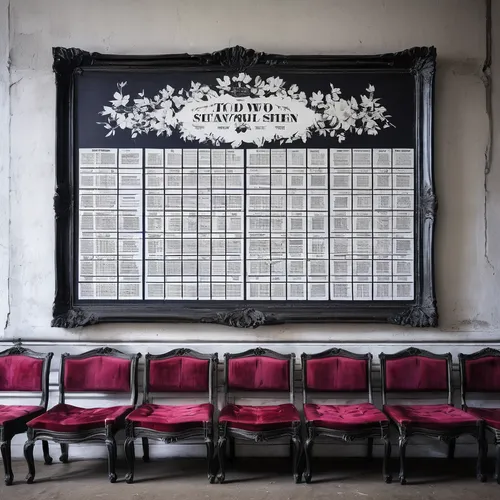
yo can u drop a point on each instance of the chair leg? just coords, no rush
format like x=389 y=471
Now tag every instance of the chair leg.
x=7 y=462
x=403 y=441
x=28 y=455
x=130 y=456
x=64 y=453
x=145 y=449
x=232 y=448
x=308 y=446
x=482 y=454
x=210 y=460
x=111 y=446
x=46 y=454
x=451 y=448
x=369 y=451
x=221 y=453
x=386 y=469
x=497 y=462
x=297 y=455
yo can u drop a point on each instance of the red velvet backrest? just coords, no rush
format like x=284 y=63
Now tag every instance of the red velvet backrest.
x=20 y=373
x=258 y=373
x=179 y=374
x=96 y=374
x=416 y=373
x=336 y=374
x=483 y=374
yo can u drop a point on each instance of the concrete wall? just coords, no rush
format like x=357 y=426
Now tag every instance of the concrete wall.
x=467 y=241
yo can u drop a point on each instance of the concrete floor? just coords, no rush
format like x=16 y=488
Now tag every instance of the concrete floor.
x=250 y=479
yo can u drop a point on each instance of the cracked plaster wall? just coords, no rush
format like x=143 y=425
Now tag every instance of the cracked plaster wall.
x=4 y=162
x=467 y=285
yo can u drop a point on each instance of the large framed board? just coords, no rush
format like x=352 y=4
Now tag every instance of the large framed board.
x=244 y=188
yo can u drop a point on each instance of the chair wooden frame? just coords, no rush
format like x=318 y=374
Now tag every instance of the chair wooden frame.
x=355 y=433
x=104 y=434
x=462 y=359
x=227 y=433
x=7 y=432
x=205 y=432
x=447 y=436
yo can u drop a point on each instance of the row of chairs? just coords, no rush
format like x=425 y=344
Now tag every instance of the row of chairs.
x=184 y=371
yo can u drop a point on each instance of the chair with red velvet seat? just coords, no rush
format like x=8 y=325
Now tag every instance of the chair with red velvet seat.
x=336 y=371
x=415 y=371
x=259 y=371
x=102 y=370
x=480 y=373
x=22 y=370
x=177 y=371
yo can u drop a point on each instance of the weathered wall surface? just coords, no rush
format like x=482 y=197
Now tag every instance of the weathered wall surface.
x=467 y=248
x=4 y=161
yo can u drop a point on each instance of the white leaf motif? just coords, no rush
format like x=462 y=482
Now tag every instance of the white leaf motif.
x=331 y=115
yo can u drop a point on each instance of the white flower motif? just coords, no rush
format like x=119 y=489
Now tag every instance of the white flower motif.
x=224 y=83
x=119 y=99
x=242 y=77
x=125 y=120
x=108 y=110
x=167 y=92
x=366 y=102
x=334 y=116
x=178 y=101
x=316 y=99
x=274 y=83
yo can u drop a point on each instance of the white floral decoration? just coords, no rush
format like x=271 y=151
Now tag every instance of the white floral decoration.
x=334 y=116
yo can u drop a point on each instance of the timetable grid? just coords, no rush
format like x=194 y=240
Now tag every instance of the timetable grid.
x=98 y=224
x=130 y=219
x=246 y=224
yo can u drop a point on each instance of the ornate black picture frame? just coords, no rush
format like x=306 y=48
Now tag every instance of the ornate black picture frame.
x=418 y=64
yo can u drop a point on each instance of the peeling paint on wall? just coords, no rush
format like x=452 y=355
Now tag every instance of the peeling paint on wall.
x=4 y=161
x=487 y=80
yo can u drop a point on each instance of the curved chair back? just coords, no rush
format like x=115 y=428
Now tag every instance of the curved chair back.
x=99 y=370
x=181 y=370
x=24 y=370
x=416 y=370
x=336 y=370
x=259 y=370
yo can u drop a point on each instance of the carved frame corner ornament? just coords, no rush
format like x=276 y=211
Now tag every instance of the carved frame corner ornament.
x=424 y=62
x=66 y=60
x=71 y=312
x=241 y=318
x=74 y=318
x=421 y=316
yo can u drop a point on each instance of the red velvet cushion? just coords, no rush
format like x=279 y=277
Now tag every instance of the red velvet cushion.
x=20 y=373
x=259 y=418
x=68 y=418
x=337 y=373
x=490 y=415
x=181 y=373
x=429 y=416
x=10 y=413
x=97 y=373
x=343 y=416
x=483 y=374
x=259 y=373
x=416 y=373
x=166 y=418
